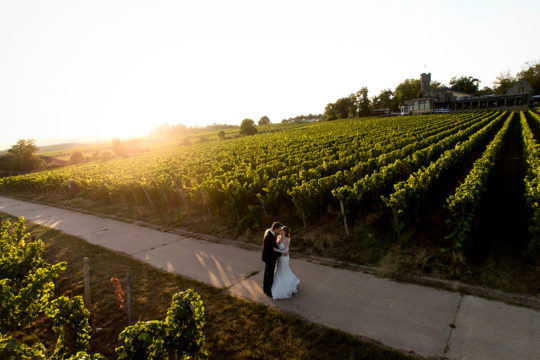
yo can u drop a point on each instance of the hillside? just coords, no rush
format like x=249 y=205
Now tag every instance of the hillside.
x=389 y=192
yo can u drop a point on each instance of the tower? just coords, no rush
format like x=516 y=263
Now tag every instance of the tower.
x=425 y=80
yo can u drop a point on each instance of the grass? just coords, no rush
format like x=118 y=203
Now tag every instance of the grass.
x=236 y=328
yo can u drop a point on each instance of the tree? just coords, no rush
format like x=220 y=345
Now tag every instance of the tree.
x=364 y=105
x=346 y=107
x=247 y=127
x=264 y=120
x=485 y=91
x=23 y=155
x=436 y=85
x=407 y=90
x=531 y=73
x=466 y=84
x=385 y=100
x=221 y=134
x=77 y=156
x=503 y=82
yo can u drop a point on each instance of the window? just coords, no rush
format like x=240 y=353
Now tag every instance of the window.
x=421 y=105
x=521 y=90
x=427 y=104
x=416 y=105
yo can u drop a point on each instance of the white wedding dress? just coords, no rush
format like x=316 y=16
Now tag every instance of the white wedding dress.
x=285 y=282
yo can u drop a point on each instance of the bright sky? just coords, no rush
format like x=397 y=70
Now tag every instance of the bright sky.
x=117 y=68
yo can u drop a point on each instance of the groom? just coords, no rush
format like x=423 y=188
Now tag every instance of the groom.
x=269 y=256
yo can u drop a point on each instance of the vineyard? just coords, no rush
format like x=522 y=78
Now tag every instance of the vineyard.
x=408 y=170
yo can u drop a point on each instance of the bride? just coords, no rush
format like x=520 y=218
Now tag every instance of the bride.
x=285 y=282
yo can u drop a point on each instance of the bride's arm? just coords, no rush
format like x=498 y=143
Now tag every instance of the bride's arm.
x=287 y=243
x=286 y=250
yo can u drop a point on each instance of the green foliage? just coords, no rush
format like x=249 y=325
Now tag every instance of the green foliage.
x=26 y=290
x=77 y=156
x=385 y=100
x=12 y=349
x=247 y=127
x=300 y=118
x=466 y=84
x=22 y=156
x=26 y=280
x=179 y=336
x=503 y=82
x=531 y=73
x=411 y=194
x=532 y=180
x=463 y=204
x=265 y=120
x=355 y=105
x=72 y=326
x=407 y=90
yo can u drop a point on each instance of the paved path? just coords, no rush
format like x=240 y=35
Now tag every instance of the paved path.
x=427 y=321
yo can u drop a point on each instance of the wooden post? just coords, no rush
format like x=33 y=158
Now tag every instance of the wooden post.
x=87 y=302
x=397 y=226
x=53 y=255
x=205 y=204
x=147 y=196
x=53 y=262
x=344 y=217
x=302 y=211
x=164 y=195
x=128 y=300
x=69 y=187
x=181 y=194
x=264 y=209
x=235 y=209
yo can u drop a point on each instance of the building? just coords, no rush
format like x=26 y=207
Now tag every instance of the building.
x=445 y=99
x=521 y=87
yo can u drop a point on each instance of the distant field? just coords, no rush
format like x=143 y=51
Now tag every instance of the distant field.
x=452 y=181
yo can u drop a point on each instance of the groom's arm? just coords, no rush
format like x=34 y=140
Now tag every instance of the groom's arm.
x=268 y=244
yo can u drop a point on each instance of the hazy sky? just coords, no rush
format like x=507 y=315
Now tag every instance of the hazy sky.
x=117 y=68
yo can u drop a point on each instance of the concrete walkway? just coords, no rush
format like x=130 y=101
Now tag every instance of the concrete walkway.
x=427 y=321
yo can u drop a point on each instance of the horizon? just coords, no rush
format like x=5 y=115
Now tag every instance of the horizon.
x=117 y=69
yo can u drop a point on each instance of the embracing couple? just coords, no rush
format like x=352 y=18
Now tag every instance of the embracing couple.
x=280 y=283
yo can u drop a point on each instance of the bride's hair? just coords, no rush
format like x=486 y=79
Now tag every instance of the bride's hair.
x=287 y=231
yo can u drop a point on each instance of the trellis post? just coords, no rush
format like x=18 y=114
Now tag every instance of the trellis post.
x=264 y=209
x=128 y=300
x=205 y=204
x=147 y=196
x=344 y=217
x=164 y=195
x=86 y=268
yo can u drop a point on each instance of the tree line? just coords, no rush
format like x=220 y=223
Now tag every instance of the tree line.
x=360 y=104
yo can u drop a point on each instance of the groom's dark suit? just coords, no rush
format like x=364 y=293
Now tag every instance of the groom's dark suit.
x=269 y=256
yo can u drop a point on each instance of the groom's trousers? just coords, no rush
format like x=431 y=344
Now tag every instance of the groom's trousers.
x=268 y=280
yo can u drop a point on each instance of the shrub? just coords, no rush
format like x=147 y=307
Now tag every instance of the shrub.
x=77 y=156
x=179 y=336
x=247 y=127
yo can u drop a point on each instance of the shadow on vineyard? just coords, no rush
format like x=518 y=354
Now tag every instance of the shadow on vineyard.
x=501 y=227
